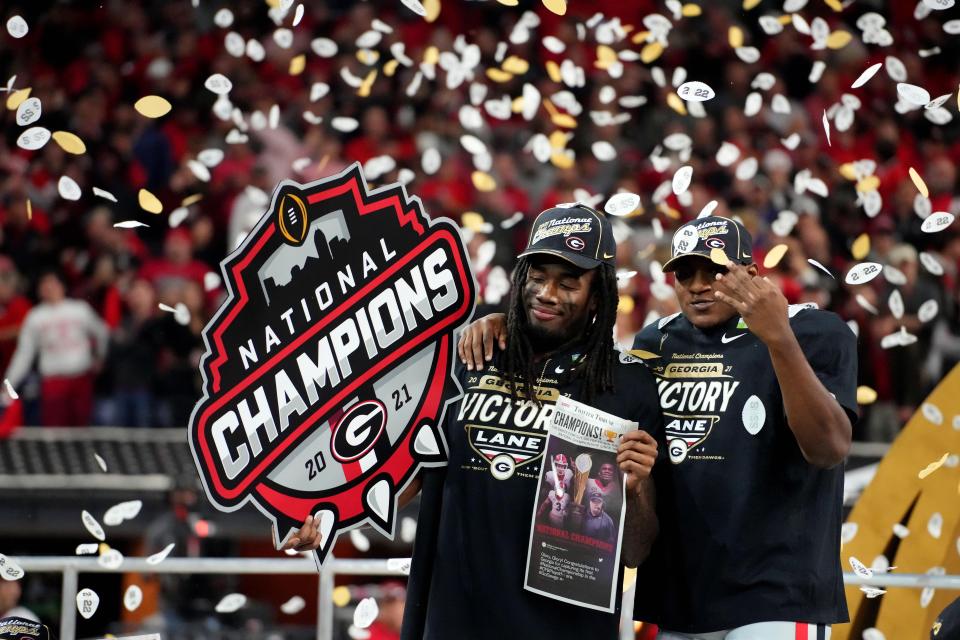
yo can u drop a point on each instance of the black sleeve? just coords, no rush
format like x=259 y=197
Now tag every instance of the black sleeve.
x=831 y=349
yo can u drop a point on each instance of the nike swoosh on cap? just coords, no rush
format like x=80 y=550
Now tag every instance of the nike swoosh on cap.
x=725 y=340
x=607 y=256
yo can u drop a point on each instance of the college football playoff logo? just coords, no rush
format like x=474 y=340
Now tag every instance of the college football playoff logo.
x=328 y=367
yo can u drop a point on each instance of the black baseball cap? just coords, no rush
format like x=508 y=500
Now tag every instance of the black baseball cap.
x=575 y=232
x=701 y=236
x=947 y=625
x=14 y=628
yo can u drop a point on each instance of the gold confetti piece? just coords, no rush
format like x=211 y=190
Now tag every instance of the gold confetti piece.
x=868 y=184
x=558 y=139
x=517 y=105
x=515 y=65
x=838 y=39
x=785 y=19
x=29 y=209
x=866 y=395
x=774 y=256
x=675 y=103
x=472 y=220
x=298 y=63
x=368 y=57
x=70 y=142
x=564 y=120
x=834 y=4
x=483 y=181
x=605 y=56
x=433 y=10
x=499 y=75
x=651 y=52
x=561 y=160
x=431 y=55
x=848 y=171
x=919 y=183
x=390 y=68
x=717 y=256
x=625 y=304
x=152 y=106
x=509 y=3
x=18 y=96
x=860 y=247
x=670 y=212
x=559 y=7
x=750 y=4
x=553 y=70
x=933 y=466
x=735 y=37
x=690 y=10
x=149 y=202
x=364 y=90
x=189 y=200
x=341 y=596
x=639 y=37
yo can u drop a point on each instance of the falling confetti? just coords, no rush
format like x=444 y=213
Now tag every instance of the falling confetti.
x=160 y=556
x=230 y=603
x=774 y=256
x=10 y=570
x=152 y=106
x=92 y=526
x=149 y=202
x=132 y=598
x=933 y=466
x=87 y=602
x=69 y=142
x=293 y=605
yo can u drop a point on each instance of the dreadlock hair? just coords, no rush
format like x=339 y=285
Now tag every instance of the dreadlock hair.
x=596 y=373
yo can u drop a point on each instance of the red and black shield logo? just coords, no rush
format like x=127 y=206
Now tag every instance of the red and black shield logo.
x=328 y=368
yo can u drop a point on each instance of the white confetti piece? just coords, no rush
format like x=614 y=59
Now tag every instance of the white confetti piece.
x=100 y=462
x=87 y=602
x=33 y=138
x=132 y=598
x=820 y=266
x=952 y=27
x=10 y=390
x=871 y=592
x=10 y=570
x=160 y=556
x=900 y=531
x=913 y=94
x=860 y=569
x=895 y=304
x=816 y=72
x=359 y=540
x=754 y=415
x=939 y=5
x=68 y=188
x=926 y=596
x=324 y=47
x=106 y=195
x=894 y=276
x=935 y=525
x=621 y=204
x=17 y=27
x=29 y=111
x=218 y=84
x=283 y=38
x=122 y=511
x=826 y=127
x=87 y=548
x=344 y=123
x=255 y=50
x=603 y=150
x=695 y=91
x=129 y=224
x=872 y=633
x=199 y=170
x=111 y=560
x=681 y=179
x=92 y=525
x=866 y=75
x=937 y=221
x=895 y=69
x=727 y=154
x=293 y=605
x=235 y=45
x=932 y=413
x=365 y=613
x=863 y=273
x=177 y=216
x=848 y=531
x=747 y=169
x=211 y=281
x=931 y=263
x=928 y=311
x=415 y=6
x=223 y=18
x=753 y=104
x=230 y=603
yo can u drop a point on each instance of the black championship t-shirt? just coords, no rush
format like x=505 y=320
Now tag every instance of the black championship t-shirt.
x=469 y=558
x=749 y=531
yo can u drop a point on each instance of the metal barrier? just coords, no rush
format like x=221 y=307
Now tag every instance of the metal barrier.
x=72 y=566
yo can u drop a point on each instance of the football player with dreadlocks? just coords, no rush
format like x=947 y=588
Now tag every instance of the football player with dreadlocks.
x=469 y=559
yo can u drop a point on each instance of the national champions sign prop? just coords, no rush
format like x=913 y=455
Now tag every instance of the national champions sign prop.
x=328 y=367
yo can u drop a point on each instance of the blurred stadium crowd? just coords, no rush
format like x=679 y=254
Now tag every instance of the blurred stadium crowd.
x=133 y=360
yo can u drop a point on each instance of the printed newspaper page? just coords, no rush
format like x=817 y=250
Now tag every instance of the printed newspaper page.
x=577 y=528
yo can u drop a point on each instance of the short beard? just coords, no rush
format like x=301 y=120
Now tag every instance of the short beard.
x=545 y=341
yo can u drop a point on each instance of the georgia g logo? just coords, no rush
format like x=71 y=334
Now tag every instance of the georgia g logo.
x=327 y=369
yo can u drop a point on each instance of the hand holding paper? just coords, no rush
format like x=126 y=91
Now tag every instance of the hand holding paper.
x=635 y=456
